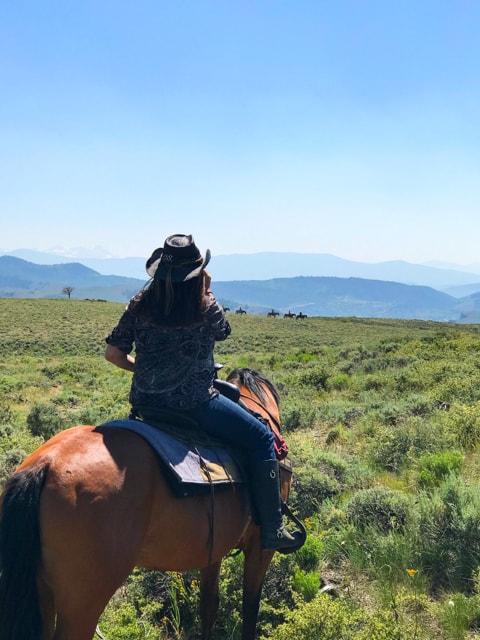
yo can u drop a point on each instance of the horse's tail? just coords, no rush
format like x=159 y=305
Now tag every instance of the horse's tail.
x=20 y=551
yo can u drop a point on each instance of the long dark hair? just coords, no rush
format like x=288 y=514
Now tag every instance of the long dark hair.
x=172 y=303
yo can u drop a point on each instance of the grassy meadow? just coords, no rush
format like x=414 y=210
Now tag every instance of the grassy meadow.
x=382 y=418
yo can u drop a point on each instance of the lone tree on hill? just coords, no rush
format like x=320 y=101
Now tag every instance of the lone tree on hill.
x=67 y=291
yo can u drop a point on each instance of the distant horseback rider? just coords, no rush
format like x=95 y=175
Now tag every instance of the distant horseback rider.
x=174 y=323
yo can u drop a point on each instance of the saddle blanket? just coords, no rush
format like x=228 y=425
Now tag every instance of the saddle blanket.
x=194 y=467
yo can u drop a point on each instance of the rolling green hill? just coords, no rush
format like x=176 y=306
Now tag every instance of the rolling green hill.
x=382 y=418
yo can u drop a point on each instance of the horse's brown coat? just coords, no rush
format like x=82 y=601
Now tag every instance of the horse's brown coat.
x=106 y=508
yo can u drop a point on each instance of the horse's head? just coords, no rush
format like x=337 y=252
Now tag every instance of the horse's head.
x=257 y=392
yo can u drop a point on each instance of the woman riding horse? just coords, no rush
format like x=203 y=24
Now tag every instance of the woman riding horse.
x=174 y=323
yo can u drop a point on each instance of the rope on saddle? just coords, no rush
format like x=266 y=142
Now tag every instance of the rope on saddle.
x=211 y=532
x=211 y=529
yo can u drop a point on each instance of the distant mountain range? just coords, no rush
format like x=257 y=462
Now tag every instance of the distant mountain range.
x=270 y=265
x=311 y=295
x=22 y=279
x=341 y=297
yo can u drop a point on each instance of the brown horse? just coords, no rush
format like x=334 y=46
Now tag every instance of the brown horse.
x=92 y=503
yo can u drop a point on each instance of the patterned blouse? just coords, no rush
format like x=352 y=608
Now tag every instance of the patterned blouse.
x=174 y=366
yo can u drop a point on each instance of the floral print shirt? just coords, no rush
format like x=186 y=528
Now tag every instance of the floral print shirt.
x=174 y=366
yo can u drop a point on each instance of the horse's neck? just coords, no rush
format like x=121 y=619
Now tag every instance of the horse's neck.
x=268 y=409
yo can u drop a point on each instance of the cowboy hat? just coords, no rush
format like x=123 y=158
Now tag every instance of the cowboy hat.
x=179 y=259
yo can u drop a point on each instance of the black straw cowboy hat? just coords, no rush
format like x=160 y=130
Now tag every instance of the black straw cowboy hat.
x=179 y=259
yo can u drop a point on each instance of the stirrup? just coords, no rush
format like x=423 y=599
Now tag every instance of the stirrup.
x=291 y=541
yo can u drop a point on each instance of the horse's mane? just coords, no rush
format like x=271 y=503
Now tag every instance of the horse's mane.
x=255 y=382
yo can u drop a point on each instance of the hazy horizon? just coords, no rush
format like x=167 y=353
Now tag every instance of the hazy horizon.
x=101 y=254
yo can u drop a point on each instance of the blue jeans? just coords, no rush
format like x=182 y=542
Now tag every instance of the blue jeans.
x=226 y=420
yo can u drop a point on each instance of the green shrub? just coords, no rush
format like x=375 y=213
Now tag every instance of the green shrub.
x=448 y=540
x=277 y=595
x=9 y=461
x=335 y=412
x=310 y=555
x=291 y=418
x=330 y=516
x=310 y=488
x=6 y=414
x=5 y=432
x=417 y=405
x=68 y=400
x=379 y=507
x=306 y=583
x=296 y=414
x=462 y=385
x=389 y=448
x=407 y=380
x=392 y=448
x=339 y=382
x=44 y=420
x=464 y=421
x=375 y=382
x=435 y=467
x=460 y=614
x=333 y=435
x=161 y=600
x=97 y=414
x=316 y=377
x=120 y=621
x=325 y=618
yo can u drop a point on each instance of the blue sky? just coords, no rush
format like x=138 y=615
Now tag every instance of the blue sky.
x=343 y=127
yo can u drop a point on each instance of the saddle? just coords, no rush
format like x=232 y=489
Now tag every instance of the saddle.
x=194 y=461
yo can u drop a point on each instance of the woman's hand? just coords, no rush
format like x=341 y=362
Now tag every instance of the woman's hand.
x=207 y=281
